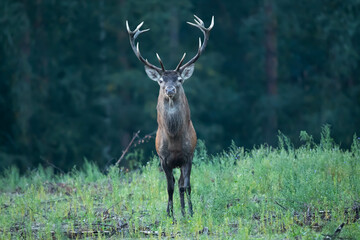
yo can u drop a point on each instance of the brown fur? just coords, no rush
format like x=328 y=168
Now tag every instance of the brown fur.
x=176 y=136
x=175 y=144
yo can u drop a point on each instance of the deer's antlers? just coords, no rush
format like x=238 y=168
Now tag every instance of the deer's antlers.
x=206 y=31
x=198 y=23
x=132 y=36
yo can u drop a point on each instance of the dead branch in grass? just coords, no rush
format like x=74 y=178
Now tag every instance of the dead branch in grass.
x=136 y=135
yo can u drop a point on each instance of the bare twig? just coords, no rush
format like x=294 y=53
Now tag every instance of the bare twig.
x=145 y=139
x=57 y=200
x=51 y=164
x=336 y=233
x=308 y=217
x=156 y=233
x=134 y=144
x=277 y=203
x=338 y=230
x=127 y=148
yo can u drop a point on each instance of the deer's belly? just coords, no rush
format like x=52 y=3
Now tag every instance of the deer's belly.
x=175 y=156
x=176 y=159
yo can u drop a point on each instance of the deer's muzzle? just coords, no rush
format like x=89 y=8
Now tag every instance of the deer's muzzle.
x=170 y=91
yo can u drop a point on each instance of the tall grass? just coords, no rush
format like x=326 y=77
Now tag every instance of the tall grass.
x=265 y=192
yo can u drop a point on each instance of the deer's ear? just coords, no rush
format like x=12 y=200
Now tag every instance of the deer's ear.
x=152 y=73
x=187 y=72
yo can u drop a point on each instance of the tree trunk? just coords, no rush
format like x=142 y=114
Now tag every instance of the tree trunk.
x=102 y=37
x=271 y=70
x=174 y=35
x=22 y=94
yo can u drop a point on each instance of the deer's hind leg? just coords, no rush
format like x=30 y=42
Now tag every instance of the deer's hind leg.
x=181 y=192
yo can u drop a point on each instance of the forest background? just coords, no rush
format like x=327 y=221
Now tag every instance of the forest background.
x=72 y=89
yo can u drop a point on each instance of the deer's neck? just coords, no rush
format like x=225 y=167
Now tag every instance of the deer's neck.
x=173 y=114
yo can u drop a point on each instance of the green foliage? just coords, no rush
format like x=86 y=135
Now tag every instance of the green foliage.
x=326 y=141
x=200 y=154
x=71 y=87
x=270 y=193
x=355 y=147
x=135 y=158
x=308 y=139
x=11 y=178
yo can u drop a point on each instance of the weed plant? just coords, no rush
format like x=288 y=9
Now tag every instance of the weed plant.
x=266 y=193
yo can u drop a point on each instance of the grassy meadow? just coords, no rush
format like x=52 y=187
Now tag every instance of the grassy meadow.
x=263 y=193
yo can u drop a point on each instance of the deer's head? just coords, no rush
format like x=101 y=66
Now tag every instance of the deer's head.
x=170 y=81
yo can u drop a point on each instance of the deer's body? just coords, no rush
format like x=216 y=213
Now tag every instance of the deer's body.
x=176 y=136
x=175 y=144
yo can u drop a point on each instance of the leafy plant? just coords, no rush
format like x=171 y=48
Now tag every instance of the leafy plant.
x=266 y=192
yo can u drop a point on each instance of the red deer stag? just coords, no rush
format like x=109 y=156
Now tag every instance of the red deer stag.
x=175 y=137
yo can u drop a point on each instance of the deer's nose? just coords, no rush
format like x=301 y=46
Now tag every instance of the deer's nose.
x=170 y=91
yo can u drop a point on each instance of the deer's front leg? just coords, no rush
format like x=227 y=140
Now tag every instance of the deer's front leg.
x=170 y=187
x=186 y=187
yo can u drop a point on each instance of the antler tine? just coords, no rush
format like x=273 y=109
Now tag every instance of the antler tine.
x=200 y=24
x=197 y=19
x=162 y=66
x=194 y=24
x=181 y=61
x=211 y=24
x=139 y=26
x=132 y=36
x=206 y=31
x=137 y=53
x=127 y=26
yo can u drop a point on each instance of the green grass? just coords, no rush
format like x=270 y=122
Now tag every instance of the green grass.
x=264 y=193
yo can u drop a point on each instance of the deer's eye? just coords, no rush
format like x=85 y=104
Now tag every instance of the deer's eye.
x=180 y=79
x=161 y=80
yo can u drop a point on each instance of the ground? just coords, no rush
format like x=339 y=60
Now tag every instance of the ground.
x=311 y=192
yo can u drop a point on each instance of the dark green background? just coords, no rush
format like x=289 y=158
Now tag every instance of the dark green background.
x=71 y=87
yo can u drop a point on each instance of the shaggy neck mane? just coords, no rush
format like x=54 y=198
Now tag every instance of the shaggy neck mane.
x=173 y=113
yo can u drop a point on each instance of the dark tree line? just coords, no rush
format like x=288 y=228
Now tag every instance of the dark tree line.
x=71 y=88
